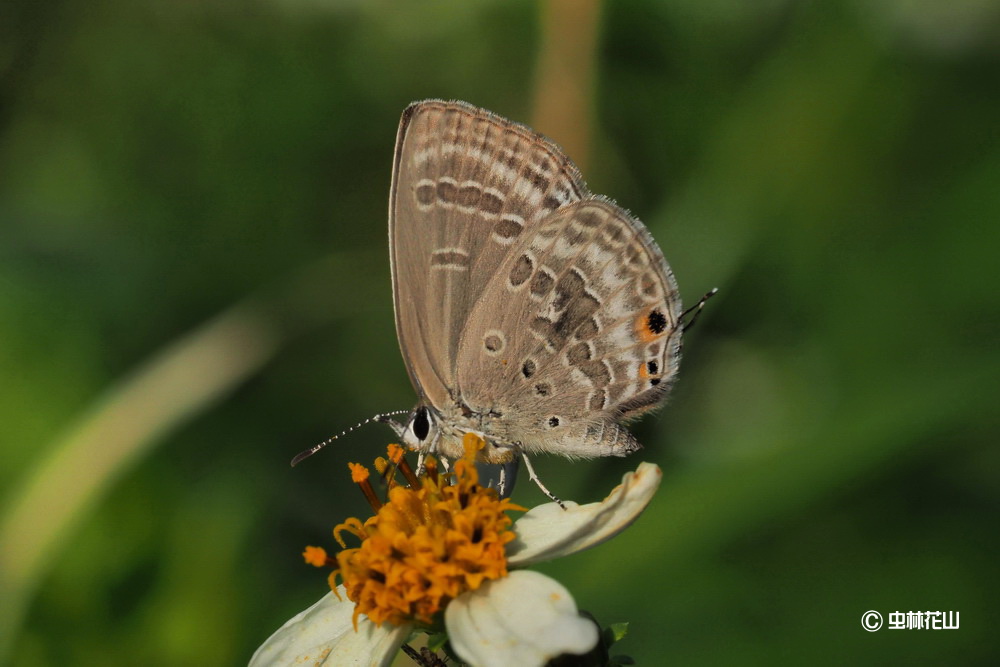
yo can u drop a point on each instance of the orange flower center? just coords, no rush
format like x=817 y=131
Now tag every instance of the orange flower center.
x=426 y=545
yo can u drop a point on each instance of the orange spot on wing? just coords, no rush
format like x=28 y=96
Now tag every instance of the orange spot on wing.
x=652 y=324
x=646 y=335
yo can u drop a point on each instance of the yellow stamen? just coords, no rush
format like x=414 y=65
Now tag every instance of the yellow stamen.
x=426 y=545
x=360 y=476
x=359 y=473
x=431 y=470
x=395 y=453
x=396 y=456
x=351 y=525
x=316 y=556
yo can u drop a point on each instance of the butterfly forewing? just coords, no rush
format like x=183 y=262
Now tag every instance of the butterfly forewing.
x=578 y=330
x=468 y=187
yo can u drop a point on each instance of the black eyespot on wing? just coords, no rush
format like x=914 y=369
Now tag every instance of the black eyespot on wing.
x=652 y=367
x=553 y=421
x=421 y=424
x=654 y=381
x=656 y=322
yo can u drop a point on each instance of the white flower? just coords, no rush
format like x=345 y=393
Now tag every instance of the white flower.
x=525 y=618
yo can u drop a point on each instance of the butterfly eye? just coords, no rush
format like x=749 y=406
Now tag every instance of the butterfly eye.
x=421 y=424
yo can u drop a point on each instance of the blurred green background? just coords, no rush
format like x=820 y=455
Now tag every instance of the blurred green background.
x=194 y=286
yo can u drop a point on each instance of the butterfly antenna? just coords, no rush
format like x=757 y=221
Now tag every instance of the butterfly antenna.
x=384 y=418
x=696 y=309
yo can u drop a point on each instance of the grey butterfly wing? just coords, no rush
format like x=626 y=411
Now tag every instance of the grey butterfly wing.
x=579 y=330
x=466 y=185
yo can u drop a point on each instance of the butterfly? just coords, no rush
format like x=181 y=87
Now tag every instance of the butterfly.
x=528 y=310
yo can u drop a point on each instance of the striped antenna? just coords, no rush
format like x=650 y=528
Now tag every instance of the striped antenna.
x=384 y=418
x=696 y=309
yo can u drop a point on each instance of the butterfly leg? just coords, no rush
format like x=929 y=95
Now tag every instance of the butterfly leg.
x=534 y=478
x=508 y=477
x=422 y=461
x=431 y=450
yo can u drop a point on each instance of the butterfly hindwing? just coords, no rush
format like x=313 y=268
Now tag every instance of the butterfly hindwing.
x=578 y=330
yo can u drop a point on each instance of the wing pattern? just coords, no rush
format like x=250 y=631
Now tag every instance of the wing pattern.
x=578 y=331
x=468 y=187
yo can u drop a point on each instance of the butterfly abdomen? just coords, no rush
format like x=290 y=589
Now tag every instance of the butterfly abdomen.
x=608 y=438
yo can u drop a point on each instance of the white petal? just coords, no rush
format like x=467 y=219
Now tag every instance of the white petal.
x=548 y=531
x=324 y=635
x=525 y=618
